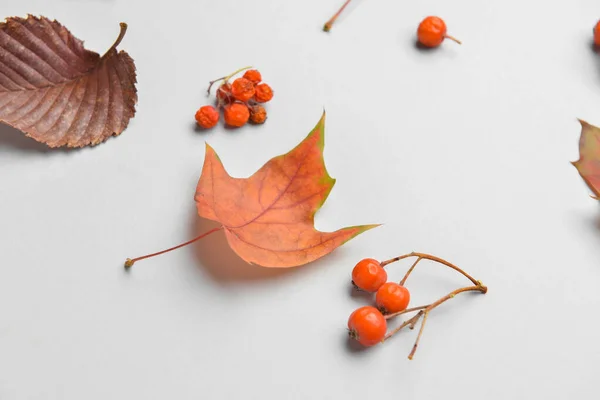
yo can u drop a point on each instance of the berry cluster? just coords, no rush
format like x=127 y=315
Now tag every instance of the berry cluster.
x=241 y=101
x=368 y=325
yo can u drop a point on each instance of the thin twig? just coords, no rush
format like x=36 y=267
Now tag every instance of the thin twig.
x=329 y=24
x=224 y=78
x=431 y=258
x=414 y=349
x=403 y=281
x=424 y=311
x=388 y=316
x=411 y=321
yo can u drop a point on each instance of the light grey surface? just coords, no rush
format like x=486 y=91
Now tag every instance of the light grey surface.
x=462 y=152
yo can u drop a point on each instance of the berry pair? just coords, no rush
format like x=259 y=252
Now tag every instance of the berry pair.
x=370 y=276
x=240 y=100
x=368 y=325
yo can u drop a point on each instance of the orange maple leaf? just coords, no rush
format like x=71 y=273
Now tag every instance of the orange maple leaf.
x=588 y=164
x=268 y=218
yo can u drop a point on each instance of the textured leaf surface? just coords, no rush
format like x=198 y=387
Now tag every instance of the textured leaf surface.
x=588 y=164
x=56 y=91
x=268 y=218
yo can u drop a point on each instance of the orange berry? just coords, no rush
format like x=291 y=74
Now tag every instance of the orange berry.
x=597 y=34
x=224 y=93
x=367 y=325
x=263 y=93
x=236 y=114
x=392 y=297
x=253 y=76
x=258 y=114
x=207 y=117
x=242 y=89
x=369 y=275
x=432 y=32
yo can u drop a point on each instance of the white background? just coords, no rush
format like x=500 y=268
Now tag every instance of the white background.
x=462 y=152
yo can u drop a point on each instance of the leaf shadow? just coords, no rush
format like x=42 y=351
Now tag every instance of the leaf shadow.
x=224 y=266
x=13 y=139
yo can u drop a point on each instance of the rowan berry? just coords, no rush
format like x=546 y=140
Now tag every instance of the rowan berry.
x=236 y=114
x=392 y=297
x=258 y=114
x=224 y=93
x=207 y=117
x=263 y=93
x=253 y=76
x=597 y=34
x=242 y=89
x=369 y=275
x=432 y=32
x=367 y=325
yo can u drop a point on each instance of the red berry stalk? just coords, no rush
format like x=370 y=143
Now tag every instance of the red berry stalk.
x=368 y=325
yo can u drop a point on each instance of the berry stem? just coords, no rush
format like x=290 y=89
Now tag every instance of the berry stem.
x=130 y=261
x=424 y=312
x=224 y=78
x=388 y=316
x=431 y=258
x=403 y=281
x=411 y=322
x=329 y=24
x=453 y=39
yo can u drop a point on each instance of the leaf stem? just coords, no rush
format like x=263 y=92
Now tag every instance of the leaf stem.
x=122 y=32
x=224 y=78
x=130 y=261
x=431 y=258
x=329 y=24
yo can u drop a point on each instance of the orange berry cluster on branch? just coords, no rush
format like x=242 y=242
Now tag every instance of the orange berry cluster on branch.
x=368 y=324
x=240 y=100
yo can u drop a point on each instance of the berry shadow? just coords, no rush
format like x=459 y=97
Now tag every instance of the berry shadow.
x=360 y=294
x=421 y=48
x=595 y=50
x=354 y=347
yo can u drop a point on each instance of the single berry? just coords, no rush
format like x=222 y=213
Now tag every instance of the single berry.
x=207 y=117
x=242 y=89
x=258 y=114
x=367 y=325
x=224 y=93
x=369 y=275
x=263 y=93
x=253 y=76
x=432 y=32
x=597 y=34
x=236 y=114
x=392 y=297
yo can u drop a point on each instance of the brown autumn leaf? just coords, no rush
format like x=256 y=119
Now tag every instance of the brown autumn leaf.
x=268 y=218
x=588 y=164
x=57 y=92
